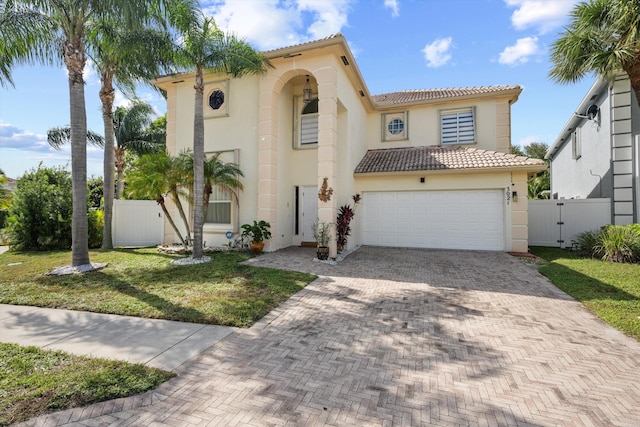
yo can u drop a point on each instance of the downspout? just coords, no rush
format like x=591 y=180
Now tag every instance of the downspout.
x=613 y=194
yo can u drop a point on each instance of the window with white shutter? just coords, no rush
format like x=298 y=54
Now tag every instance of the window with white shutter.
x=306 y=125
x=457 y=126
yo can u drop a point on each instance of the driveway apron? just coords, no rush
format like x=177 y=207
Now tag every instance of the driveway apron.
x=402 y=337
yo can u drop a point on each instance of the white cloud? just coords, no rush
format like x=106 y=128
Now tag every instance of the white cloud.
x=520 y=52
x=544 y=15
x=438 y=53
x=12 y=136
x=271 y=24
x=394 y=6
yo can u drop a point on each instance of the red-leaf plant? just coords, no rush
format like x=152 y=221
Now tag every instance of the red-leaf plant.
x=345 y=215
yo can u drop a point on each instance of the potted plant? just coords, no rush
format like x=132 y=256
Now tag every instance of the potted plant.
x=322 y=234
x=258 y=233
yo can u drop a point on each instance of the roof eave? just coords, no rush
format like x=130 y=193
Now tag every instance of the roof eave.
x=596 y=89
x=513 y=94
x=523 y=168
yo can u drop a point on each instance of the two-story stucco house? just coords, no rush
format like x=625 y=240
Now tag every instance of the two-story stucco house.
x=432 y=166
x=597 y=154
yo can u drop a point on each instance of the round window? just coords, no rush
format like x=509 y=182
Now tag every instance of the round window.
x=216 y=99
x=395 y=126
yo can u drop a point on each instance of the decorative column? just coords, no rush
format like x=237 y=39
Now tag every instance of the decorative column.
x=327 y=79
x=268 y=151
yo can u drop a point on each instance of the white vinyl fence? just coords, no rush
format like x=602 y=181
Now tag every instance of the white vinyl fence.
x=557 y=222
x=137 y=223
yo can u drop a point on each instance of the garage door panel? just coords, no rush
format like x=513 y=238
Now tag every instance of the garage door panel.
x=472 y=219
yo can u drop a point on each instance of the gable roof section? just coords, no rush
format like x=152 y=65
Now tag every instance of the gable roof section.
x=437 y=158
x=383 y=101
x=430 y=95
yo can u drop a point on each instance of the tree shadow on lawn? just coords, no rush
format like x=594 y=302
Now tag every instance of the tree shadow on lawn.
x=581 y=286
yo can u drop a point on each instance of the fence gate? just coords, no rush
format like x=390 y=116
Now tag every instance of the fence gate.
x=137 y=223
x=557 y=222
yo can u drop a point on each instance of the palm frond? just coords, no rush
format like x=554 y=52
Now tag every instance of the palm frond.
x=59 y=136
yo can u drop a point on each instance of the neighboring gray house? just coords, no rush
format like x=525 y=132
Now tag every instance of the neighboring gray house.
x=597 y=153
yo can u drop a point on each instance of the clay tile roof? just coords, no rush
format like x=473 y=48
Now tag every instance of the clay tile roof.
x=439 y=158
x=409 y=96
x=311 y=42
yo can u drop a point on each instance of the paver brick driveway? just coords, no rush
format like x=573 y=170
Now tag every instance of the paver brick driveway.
x=403 y=337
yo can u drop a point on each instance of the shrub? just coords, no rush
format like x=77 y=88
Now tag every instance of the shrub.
x=586 y=243
x=345 y=215
x=96 y=223
x=41 y=210
x=613 y=243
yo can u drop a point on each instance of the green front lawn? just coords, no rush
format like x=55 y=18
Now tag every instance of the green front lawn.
x=141 y=282
x=610 y=290
x=34 y=381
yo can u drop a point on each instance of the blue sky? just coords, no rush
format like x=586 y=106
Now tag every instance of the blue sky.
x=398 y=45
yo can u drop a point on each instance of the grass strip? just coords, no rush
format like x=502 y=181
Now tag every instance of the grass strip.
x=610 y=290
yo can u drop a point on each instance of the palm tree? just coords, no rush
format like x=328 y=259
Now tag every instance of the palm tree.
x=46 y=32
x=132 y=130
x=602 y=37
x=204 y=46
x=216 y=174
x=133 y=133
x=153 y=177
x=122 y=57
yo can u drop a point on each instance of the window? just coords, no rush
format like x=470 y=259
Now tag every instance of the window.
x=309 y=123
x=576 y=145
x=457 y=126
x=306 y=123
x=219 y=209
x=394 y=126
x=222 y=208
x=216 y=99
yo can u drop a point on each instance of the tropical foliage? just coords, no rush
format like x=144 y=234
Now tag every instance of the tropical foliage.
x=615 y=243
x=156 y=176
x=41 y=212
x=204 y=47
x=343 y=228
x=55 y=32
x=153 y=177
x=134 y=133
x=542 y=181
x=602 y=37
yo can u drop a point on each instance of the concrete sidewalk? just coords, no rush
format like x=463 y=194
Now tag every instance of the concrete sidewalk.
x=162 y=344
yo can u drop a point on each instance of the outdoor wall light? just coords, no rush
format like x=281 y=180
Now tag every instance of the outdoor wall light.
x=422 y=179
x=514 y=195
x=306 y=92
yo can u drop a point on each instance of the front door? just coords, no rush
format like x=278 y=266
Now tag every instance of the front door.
x=309 y=212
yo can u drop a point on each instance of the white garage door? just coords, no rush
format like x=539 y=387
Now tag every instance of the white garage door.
x=471 y=219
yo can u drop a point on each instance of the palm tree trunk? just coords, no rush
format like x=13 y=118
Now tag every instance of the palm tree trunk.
x=120 y=163
x=198 y=165
x=176 y=200
x=160 y=201
x=106 y=96
x=74 y=58
x=207 y=196
x=633 y=71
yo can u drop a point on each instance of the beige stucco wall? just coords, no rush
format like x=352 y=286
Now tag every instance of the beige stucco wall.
x=492 y=119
